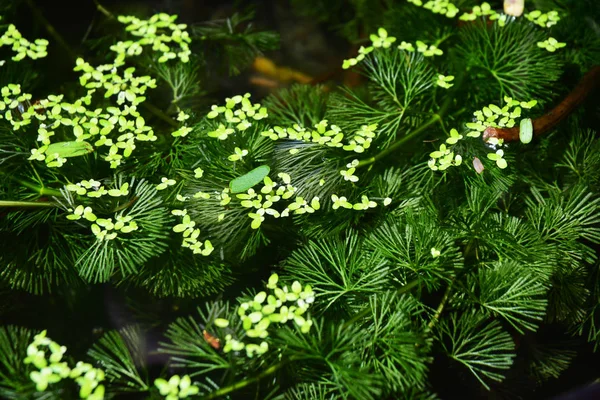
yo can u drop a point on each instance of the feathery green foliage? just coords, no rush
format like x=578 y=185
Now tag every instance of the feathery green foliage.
x=330 y=241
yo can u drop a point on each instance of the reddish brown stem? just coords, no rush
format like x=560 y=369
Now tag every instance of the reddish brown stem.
x=549 y=120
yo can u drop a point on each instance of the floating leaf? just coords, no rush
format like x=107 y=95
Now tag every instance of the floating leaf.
x=526 y=130
x=69 y=149
x=245 y=182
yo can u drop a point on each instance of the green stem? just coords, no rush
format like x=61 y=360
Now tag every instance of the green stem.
x=103 y=10
x=243 y=383
x=160 y=114
x=443 y=39
x=55 y=35
x=384 y=153
x=41 y=190
x=33 y=204
x=441 y=306
x=437 y=117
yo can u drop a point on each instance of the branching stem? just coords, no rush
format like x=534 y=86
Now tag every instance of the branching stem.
x=435 y=118
x=160 y=114
x=440 y=308
x=28 y=204
x=103 y=10
x=243 y=383
x=41 y=190
x=549 y=120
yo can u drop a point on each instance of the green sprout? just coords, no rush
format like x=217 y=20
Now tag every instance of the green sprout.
x=23 y=47
x=545 y=20
x=167 y=38
x=551 y=44
x=497 y=156
x=442 y=7
x=279 y=305
x=444 y=81
x=382 y=39
x=176 y=387
x=47 y=357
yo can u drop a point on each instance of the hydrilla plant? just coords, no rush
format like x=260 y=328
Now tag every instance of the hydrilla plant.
x=434 y=223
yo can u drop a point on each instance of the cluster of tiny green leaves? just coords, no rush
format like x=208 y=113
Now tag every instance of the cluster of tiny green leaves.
x=545 y=20
x=443 y=7
x=494 y=116
x=485 y=10
x=444 y=81
x=102 y=228
x=116 y=128
x=127 y=87
x=261 y=203
x=384 y=41
x=51 y=368
x=21 y=46
x=167 y=38
x=239 y=112
x=551 y=44
x=238 y=120
x=12 y=98
x=123 y=121
x=191 y=234
x=283 y=304
x=489 y=116
x=450 y=10
x=331 y=137
x=176 y=387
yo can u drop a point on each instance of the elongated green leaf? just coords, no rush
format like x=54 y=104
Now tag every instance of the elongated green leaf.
x=245 y=182
x=526 y=130
x=70 y=149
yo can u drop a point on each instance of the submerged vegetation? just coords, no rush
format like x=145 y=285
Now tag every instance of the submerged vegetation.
x=420 y=221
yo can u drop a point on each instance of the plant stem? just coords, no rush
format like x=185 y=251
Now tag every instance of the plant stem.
x=549 y=120
x=160 y=114
x=368 y=161
x=243 y=383
x=41 y=190
x=33 y=204
x=437 y=117
x=441 y=306
x=103 y=10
